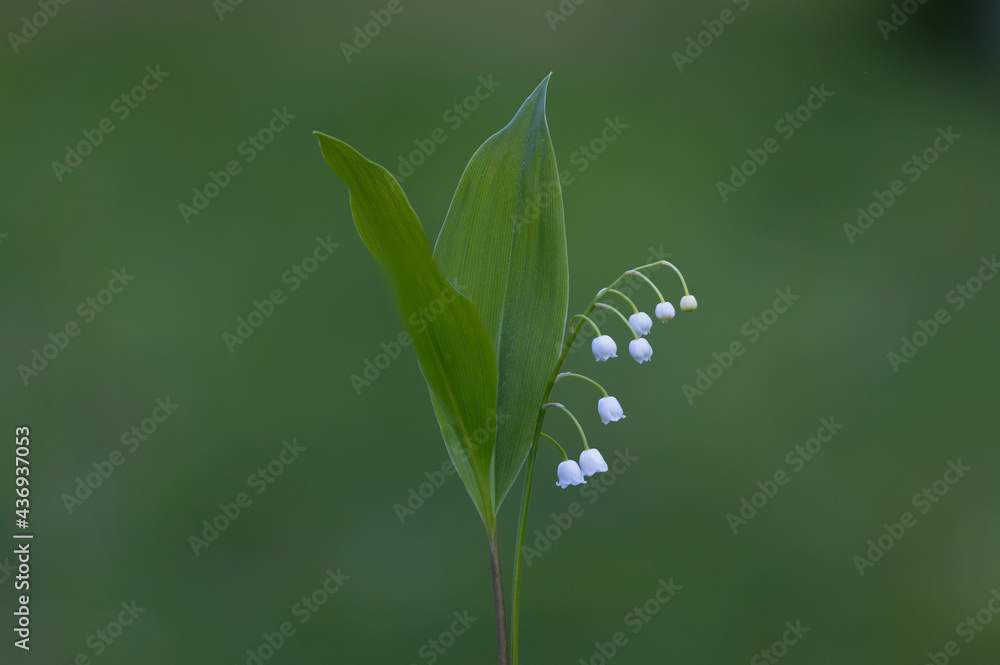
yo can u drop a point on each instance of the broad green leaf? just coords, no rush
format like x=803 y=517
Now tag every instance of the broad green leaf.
x=504 y=242
x=453 y=348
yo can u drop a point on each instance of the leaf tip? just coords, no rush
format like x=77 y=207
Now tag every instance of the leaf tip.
x=541 y=90
x=533 y=108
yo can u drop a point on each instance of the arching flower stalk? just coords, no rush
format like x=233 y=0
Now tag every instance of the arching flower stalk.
x=608 y=407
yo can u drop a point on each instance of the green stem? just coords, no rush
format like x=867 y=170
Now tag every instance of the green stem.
x=561 y=449
x=635 y=310
x=648 y=281
x=529 y=475
x=585 y=378
x=587 y=319
x=575 y=421
x=668 y=263
x=498 y=597
x=621 y=316
x=529 y=472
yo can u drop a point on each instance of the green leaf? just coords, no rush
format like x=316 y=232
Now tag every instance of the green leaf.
x=504 y=242
x=454 y=349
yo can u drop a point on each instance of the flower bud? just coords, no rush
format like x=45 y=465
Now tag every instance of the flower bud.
x=641 y=322
x=665 y=311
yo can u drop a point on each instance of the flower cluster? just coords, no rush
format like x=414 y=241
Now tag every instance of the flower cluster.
x=639 y=324
x=605 y=348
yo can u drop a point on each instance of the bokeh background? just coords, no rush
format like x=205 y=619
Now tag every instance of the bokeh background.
x=367 y=445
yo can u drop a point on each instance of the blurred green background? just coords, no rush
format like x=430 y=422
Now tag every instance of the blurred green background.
x=367 y=446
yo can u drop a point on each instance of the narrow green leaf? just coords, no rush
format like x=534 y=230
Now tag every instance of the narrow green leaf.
x=453 y=347
x=504 y=242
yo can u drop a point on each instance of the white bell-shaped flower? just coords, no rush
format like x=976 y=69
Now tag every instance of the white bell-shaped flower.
x=665 y=311
x=688 y=304
x=641 y=322
x=569 y=474
x=640 y=350
x=604 y=347
x=592 y=462
x=610 y=410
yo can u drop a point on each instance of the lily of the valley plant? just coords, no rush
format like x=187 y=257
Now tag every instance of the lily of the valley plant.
x=494 y=348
